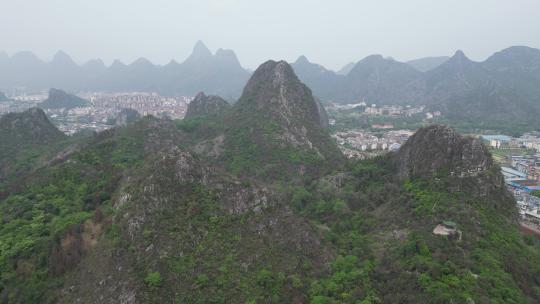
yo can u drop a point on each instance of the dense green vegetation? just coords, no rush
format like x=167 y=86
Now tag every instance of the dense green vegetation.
x=378 y=228
x=37 y=214
x=414 y=257
x=355 y=119
x=258 y=206
x=36 y=219
x=514 y=128
x=253 y=144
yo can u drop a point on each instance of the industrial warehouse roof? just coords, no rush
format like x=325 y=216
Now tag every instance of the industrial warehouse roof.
x=515 y=172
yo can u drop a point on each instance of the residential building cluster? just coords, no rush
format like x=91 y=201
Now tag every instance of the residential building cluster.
x=103 y=109
x=397 y=110
x=388 y=110
x=528 y=141
x=521 y=175
x=361 y=143
x=144 y=103
x=21 y=100
x=521 y=170
x=15 y=106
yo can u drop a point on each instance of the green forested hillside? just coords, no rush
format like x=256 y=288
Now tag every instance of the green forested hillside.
x=231 y=209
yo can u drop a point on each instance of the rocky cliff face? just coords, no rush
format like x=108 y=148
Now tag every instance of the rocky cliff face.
x=275 y=91
x=277 y=128
x=323 y=115
x=203 y=105
x=438 y=151
x=26 y=139
x=435 y=149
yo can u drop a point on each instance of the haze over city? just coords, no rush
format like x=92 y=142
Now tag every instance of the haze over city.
x=328 y=32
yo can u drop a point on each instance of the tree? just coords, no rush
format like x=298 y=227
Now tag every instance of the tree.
x=153 y=279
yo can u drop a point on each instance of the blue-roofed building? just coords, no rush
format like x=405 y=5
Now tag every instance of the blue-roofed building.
x=524 y=185
x=504 y=138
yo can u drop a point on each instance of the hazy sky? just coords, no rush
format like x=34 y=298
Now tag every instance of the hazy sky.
x=330 y=32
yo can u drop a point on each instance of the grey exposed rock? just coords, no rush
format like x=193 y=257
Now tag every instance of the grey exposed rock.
x=464 y=162
x=322 y=114
x=275 y=91
x=439 y=149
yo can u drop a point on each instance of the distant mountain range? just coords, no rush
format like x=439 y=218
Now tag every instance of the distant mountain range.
x=503 y=87
x=427 y=63
x=219 y=73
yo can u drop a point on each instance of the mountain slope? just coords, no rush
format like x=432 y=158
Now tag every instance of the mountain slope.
x=480 y=94
x=457 y=75
x=63 y=71
x=346 y=69
x=220 y=74
x=119 y=199
x=59 y=99
x=324 y=82
x=427 y=63
x=203 y=105
x=386 y=230
x=25 y=139
x=382 y=81
x=277 y=122
x=142 y=214
x=514 y=58
x=131 y=217
x=31 y=125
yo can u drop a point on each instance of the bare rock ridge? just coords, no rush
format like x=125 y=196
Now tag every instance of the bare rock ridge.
x=275 y=90
x=277 y=128
x=439 y=152
x=288 y=107
x=434 y=149
x=206 y=105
